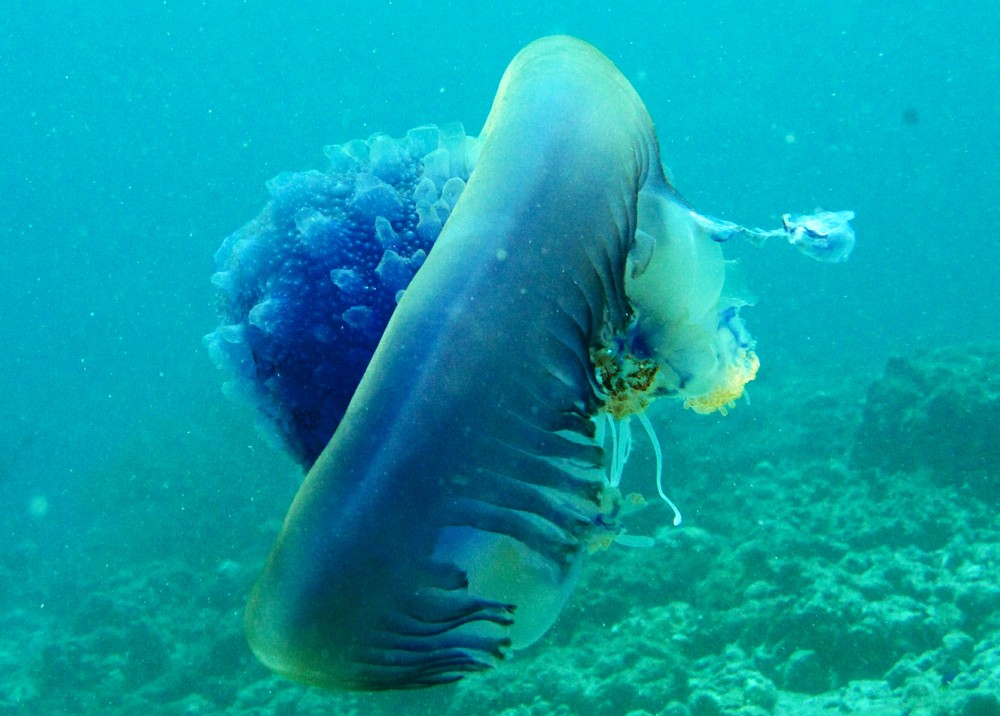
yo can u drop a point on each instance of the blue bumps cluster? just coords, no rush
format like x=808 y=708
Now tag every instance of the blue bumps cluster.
x=307 y=288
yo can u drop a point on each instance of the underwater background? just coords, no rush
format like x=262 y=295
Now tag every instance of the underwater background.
x=841 y=545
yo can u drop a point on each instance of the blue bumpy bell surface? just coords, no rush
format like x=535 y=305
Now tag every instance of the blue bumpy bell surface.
x=306 y=289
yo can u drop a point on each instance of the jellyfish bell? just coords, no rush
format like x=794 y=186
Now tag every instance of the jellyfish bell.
x=524 y=294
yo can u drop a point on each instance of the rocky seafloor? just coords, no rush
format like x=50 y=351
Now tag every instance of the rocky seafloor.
x=840 y=553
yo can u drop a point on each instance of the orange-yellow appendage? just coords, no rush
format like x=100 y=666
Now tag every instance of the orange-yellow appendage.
x=736 y=375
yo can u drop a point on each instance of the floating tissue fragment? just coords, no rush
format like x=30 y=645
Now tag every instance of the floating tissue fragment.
x=825 y=236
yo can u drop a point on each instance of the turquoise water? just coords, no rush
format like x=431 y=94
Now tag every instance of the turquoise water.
x=136 y=136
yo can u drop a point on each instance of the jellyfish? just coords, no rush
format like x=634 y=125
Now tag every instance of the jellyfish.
x=447 y=332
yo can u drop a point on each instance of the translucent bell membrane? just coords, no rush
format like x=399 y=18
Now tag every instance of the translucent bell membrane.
x=687 y=316
x=687 y=338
